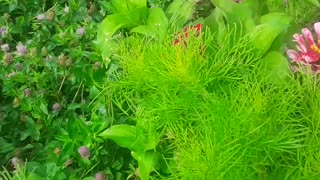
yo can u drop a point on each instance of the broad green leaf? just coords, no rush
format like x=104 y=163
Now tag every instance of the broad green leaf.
x=106 y=30
x=275 y=67
x=44 y=108
x=180 y=11
x=315 y=2
x=157 y=24
x=215 y=22
x=112 y=23
x=157 y=17
x=265 y=33
x=146 y=163
x=143 y=29
x=125 y=136
x=137 y=3
x=119 y=6
x=94 y=92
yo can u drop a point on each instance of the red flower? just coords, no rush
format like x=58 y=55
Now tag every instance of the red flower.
x=183 y=36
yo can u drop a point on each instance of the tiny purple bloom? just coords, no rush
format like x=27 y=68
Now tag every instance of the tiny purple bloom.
x=81 y=31
x=56 y=107
x=84 y=152
x=21 y=49
x=5 y=47
x=28 y=92
x=10 y=75
x=66 y=9
x=100 y=176
x=41 y=17
x=3 y=31
x=16 y=162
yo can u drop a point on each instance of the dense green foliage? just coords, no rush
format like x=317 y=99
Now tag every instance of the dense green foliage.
x=172 y=89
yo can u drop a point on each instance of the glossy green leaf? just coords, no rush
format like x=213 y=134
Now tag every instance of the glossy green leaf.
x=264 y=35
x=180 y=11
x=119 y=6
x=125 y=136
x=146 y=163
x=315 y=2
x=94 y=92
x=275 y=68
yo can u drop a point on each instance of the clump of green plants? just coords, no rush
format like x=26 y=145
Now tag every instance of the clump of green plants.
x=140 y=89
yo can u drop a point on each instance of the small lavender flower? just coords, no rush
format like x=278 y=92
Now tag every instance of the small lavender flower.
x=84 y=152
x=10 y=75
x=56 y=107
x=28 y=92
x=16 y=162
x=100 y=176
x=21 y=49
x=5 y=48
x=66 y=9
x=41 y=17
x=81 y=31
x=3 y=31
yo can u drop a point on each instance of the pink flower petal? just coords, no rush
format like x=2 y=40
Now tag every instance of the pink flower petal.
x=308 y=35
x=294 y=55
x=301 y=43
x=317 y=29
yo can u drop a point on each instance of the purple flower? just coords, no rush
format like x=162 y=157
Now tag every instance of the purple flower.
x=100 y=176
x=81 y=31
x=10 y=75
x=21 y=49
x=56 y=107
x=66 y=9
x=41 y=17
x=5 y=47
x=3 y=31
x=28 y=92
x=84 y=152
x=16 y=162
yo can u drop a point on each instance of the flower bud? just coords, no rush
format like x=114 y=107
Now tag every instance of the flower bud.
x=6 y=16
x=50 y=15
x=21 y=49
x=84 y=152
x=5 y=48
x=28 y=92
x=41 y=17
x=81 y=31
x=100 y=176
x=7 y=59
x=56 y=107
x=16 y=162
x=16 y=102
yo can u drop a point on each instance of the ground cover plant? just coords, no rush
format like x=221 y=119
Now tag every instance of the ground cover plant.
x=180 y=89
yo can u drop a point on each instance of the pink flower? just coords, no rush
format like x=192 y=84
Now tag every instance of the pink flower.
x=308 y=50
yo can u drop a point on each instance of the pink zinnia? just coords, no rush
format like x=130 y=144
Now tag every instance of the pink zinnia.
x=308 y=51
